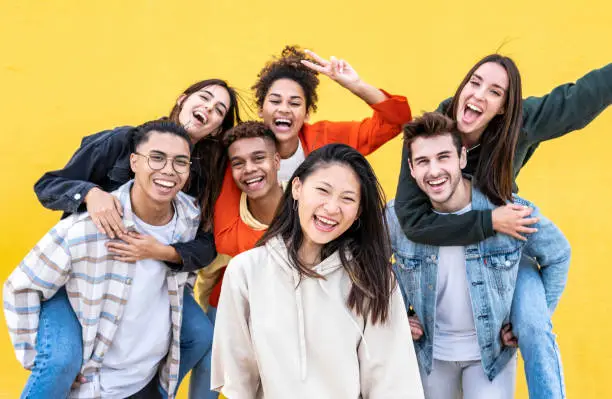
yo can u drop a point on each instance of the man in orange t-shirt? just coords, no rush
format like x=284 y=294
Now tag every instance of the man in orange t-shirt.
x=254 y=163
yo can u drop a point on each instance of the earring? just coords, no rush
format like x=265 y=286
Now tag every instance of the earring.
x=295 y=204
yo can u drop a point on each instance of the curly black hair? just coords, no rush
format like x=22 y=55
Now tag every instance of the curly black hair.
x=288 y=66
x=246 y=130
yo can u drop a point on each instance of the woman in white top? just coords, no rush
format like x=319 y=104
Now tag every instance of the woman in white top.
x=314 y=310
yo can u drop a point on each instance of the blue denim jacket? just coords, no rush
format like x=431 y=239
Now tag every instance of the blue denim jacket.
x=492 y=267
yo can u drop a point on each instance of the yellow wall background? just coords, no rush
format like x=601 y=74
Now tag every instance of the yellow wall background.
x=71 y=68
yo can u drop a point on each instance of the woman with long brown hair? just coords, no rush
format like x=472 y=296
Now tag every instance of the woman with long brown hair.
x=501 y=131
x=206 y=109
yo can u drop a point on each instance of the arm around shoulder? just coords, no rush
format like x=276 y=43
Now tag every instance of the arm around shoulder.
x=65 y=189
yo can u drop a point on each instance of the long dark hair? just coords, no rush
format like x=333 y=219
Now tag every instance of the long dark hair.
x=209 y=151
x=494 y=174
x=365 y=250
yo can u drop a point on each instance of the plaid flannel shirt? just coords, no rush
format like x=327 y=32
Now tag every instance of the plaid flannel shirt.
x=73 y=254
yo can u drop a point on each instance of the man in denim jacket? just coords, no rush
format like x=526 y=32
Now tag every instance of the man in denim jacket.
x=463 y=295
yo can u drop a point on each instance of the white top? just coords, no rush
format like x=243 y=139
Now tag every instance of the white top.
x=455 y=336
x=277 y=337
x=289 y=165
x=143 y=334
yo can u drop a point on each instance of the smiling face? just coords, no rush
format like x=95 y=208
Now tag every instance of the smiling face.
x=203 y=111
x=284 y=109
x=255 y=164
x=482 y=98
x=160 y=186
x=328 y=203
x=436 y=167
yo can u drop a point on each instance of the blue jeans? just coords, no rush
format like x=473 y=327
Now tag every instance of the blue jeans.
x=532 y=326
x=60 y=349
x=199 y=383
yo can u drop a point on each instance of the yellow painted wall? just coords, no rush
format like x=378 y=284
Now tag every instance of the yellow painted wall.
x=69 y=68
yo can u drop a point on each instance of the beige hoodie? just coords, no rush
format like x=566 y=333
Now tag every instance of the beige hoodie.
x=276 y=337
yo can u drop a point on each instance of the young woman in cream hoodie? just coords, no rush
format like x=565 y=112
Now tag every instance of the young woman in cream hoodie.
x=314 y=310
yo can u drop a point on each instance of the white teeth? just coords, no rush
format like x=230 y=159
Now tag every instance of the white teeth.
x=474 y=108
x=326 y=221
x=254 y=180
x=437 y=181
x=165 y=183
x=201 y=115
x=282 y=120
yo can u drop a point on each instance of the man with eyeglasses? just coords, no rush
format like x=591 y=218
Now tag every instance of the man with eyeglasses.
x=129 y=311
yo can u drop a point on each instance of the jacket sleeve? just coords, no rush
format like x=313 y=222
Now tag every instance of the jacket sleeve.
x=568 y=107
x=365 y=136
x=388 y=366
x=65 y=189
x=195 y=254
x=234 y=367
x=227 y=216
x=549 y=247
x=422 y=225
x=43 y=271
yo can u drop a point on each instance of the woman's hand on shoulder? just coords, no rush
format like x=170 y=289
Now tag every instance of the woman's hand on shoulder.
x=106 y=212
x=514 y=220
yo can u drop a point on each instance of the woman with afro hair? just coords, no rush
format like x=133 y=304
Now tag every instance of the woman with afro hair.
x=286 y=95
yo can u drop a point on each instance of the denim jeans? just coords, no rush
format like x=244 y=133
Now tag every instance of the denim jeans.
x=60 y=350
x=532 y=326
x=199 y=383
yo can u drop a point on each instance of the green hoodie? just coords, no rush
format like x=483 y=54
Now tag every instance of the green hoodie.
x=568 y=107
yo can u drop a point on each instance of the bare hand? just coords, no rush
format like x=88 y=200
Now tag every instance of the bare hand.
x=135 y=247
x=507 y=337
x=416 y=329
x=105 y=211
x=78 y=381
x=337 y=70
x=512 y=219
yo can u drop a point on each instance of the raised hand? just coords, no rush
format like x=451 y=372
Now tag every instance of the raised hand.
x=337 y=70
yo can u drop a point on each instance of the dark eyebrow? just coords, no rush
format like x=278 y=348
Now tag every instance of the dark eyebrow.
x=292 y=97
x=219 y=103
x=494 y=84
x=330 y=186
x=236 y=158
x=158 y=152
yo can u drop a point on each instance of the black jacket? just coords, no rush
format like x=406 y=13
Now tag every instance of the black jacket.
x=103 y=160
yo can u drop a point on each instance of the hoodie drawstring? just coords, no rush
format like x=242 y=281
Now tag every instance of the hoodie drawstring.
x=301 y=327
x=346 y=312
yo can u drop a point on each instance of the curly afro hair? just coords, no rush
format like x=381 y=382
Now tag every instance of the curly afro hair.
x=247 y=130
x=288 y=66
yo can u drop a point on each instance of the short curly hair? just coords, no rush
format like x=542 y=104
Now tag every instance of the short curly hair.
x=288 y=66
x=247 y=130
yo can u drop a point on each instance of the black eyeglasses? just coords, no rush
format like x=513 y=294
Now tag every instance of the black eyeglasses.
x=158 y=162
